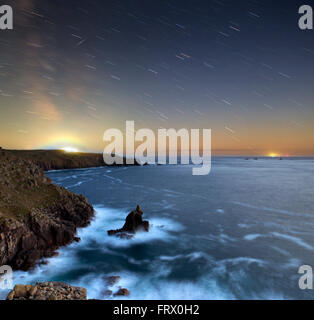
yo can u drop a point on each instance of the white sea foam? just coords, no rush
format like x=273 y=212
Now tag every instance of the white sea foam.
x=295 y=240
x=76 y=184
x=105 y=218
x=156 y=286
x=281 y=251
x=241 y=260
x=251 y=237
x=64 y=262
x=161 y=229
x=191 y=256
x=221 y=238
x=171 y=258
x=250 y=206
x=292 y=263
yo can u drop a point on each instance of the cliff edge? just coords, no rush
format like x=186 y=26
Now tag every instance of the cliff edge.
x=36 y=216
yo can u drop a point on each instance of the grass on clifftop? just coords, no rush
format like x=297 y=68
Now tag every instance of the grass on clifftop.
x=23 y=188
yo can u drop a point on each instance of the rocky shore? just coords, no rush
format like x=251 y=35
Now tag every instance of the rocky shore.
x=36 y=216
x=62 y=291
x=47 y=291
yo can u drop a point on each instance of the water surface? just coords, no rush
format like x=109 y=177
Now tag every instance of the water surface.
x=239 y=233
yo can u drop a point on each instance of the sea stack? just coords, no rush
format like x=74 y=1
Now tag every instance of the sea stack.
x=134 y=222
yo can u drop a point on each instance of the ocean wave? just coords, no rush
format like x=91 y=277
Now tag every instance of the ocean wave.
x=251 y=237
x=246 y=205
x=191 y=256
x=242 y=260
x=295 y=240
x=156 y=286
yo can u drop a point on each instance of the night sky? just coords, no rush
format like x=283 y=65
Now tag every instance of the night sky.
x=72 y=69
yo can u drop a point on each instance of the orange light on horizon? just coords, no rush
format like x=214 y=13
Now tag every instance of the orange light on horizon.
x=70 y=149
x=273 y=155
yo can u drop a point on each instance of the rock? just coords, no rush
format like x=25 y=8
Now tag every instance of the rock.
x=33 y=290
x=134 y=222
x=112 y=232
x=10 y=295
x=122 y=292
x=124 y=235
x=47 y=291
x=20 y=291
x=28 y=287
x=112 y=280
x=138 y=209
x=51 y=253
x=77 y=239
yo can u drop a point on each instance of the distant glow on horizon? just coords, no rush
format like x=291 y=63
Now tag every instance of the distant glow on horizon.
x=70 y=149
x=63 y=141
x=273 y=155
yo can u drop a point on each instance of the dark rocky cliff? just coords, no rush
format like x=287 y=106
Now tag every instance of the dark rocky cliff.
x=36 y=216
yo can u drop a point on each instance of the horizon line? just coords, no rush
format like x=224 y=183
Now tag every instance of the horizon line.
x=214 y=153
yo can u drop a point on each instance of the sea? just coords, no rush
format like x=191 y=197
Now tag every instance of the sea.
x=241 y=232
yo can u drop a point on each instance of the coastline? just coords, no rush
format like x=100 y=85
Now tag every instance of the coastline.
x=38 y=217
x=49 y=160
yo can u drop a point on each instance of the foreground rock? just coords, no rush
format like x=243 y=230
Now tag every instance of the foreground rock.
x=122 y=292
x=63 y=291
x=112 y=280
x=47 y=291
x=36 y=216
x=133 y=223
x=110 y=284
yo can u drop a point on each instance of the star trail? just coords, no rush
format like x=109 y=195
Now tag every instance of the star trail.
x=69 y=70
